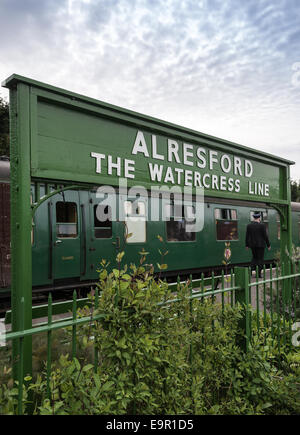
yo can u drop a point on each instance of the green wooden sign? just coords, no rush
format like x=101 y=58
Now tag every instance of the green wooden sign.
x=77 y=139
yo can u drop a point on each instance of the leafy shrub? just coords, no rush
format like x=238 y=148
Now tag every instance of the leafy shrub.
x=164 y=358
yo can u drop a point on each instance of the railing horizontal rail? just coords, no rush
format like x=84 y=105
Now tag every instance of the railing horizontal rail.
x=279 y=278
x=63 y=307
x=53 y=326
x=199 y=295
x=39 y=311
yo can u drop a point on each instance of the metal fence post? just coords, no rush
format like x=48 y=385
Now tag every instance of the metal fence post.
x=21 y=225
x=242 y=297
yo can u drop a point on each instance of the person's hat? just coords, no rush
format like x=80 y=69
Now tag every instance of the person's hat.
x=256 y=214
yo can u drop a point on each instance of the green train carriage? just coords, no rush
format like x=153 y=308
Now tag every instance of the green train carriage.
x=68 y=241
x=72 y=243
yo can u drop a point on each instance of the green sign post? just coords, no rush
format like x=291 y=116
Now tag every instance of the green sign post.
x=68 y=139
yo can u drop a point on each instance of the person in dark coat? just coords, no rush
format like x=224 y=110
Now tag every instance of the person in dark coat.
x=257 y=239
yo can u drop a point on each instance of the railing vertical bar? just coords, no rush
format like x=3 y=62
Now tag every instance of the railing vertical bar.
x=257 y=299
x=232 y=293
x=295 y=289
x=202 y=301
x=20 y=362
x=213 y=296
x=74 y=309
x=264 y=295
x=222 y=295
x=191 y=331
x=178 y=290
x=49 y=346
x=20 y=376
x=250 y=292
x=277 y=307
x=271 y=299
x=249 y=300
x=283 y=298
x=242 y=297
x=297 y=298
x=95 y=346
x=290 y=301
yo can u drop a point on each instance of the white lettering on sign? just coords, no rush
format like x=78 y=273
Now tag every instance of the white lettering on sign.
x=154 y=149
x=98 y=157
x=140 y=145
x=202 y=167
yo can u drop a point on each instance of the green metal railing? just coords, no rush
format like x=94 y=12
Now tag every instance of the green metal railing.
x=240 y=291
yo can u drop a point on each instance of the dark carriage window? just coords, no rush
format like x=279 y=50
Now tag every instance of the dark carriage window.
x=66 y=219
x=226 y=224
x=177 y=225
x=102 y=221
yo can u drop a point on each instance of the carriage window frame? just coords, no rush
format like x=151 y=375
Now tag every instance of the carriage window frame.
x=172 y=216
x=66 y=221
x=222 y=214
x=99 y=226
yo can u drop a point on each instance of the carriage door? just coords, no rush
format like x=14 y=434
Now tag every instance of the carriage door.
x=66 y=235
x=104 y=238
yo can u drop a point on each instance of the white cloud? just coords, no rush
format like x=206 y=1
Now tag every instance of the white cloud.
x=221 y=67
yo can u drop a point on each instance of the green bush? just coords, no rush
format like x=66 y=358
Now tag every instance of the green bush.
x=155 y=358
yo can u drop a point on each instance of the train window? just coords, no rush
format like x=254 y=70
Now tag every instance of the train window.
x=135 y=218
x=263 y=215
x=177 y=225
x=66 y=219
x=225 y=213
x=102 y=221
x=226 y=224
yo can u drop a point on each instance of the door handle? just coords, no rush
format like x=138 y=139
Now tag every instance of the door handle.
x=57 y=242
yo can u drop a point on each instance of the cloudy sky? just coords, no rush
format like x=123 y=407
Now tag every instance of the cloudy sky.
x=229 y=68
